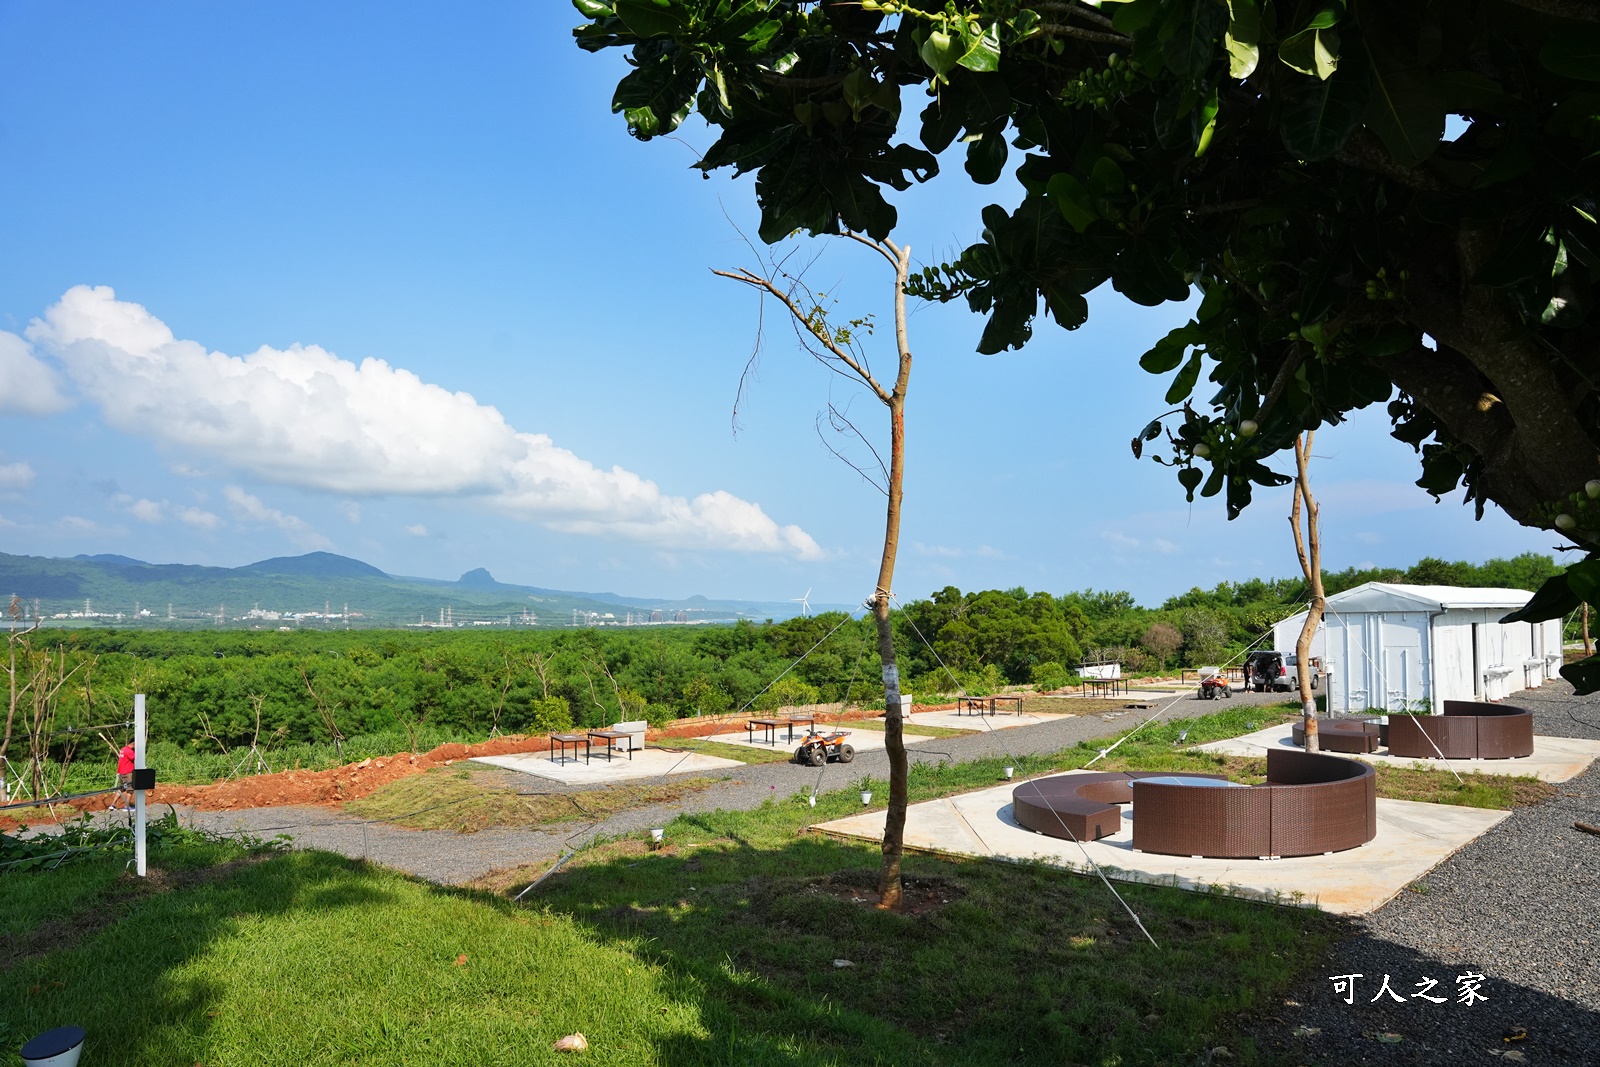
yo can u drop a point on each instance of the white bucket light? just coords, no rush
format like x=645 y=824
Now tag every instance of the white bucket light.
x=1009 y=772
x=657 y=833
x=55 y=1048
x=812 y=800
x=866 y=796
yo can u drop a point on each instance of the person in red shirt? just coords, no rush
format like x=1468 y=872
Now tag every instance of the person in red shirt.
x=124 y=777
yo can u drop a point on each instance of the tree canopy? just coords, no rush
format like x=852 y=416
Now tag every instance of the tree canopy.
x=1292 y=162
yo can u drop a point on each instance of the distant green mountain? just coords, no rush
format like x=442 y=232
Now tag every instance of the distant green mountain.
x=322 y=589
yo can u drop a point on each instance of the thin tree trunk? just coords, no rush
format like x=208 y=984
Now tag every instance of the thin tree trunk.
x=1308 y=546
x=894 y=827
x=838 y=353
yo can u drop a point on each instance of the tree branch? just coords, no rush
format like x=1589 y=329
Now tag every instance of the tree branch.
x=843 y=355
x=1056 y=29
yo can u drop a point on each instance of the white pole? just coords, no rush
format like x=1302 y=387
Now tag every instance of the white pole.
x=138 y=794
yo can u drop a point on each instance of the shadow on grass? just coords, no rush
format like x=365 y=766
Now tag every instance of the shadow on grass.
x=1000 y=964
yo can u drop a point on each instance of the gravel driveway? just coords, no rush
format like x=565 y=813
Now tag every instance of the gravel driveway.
x=1517 y=906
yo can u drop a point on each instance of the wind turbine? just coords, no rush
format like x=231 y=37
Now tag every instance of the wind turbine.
x=804 y=602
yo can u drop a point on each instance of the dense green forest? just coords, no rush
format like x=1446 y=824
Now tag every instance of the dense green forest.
x=215 y=691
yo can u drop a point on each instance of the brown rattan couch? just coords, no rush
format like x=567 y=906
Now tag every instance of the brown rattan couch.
x=1342 y=735
x=1078 y=807
x=1466 y=730
x=1311 y=803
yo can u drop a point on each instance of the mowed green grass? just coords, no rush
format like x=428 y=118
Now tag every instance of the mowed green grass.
x=309 y=958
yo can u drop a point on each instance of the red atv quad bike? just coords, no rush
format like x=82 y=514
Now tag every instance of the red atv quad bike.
x=1216 y=687
x=817 y=748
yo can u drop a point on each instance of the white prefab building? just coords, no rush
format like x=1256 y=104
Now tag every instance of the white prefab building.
x=1412 y=647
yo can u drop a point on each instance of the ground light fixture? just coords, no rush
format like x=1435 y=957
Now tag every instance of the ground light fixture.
x=1183 y=735
x=657 y=833
x=812 y=800
x=55 y=1048
x=1009 y=772
x=866 y=796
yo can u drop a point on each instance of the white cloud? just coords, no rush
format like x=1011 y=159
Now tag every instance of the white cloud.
x=28 y=385
x=145 y=510
x=417 y=530
x=15 y=476
x=1124 y=542
x=253 y=509
x=352 y=510
x=306 y=418
x=197 y=517
x=153 y=511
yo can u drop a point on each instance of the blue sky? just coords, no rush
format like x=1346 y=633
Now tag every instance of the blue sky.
x=214 y=216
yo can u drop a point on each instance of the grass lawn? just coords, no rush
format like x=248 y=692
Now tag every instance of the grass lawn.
x=720 y=948
x=468 y=799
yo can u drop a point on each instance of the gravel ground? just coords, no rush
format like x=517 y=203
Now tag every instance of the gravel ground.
x=1516 y=906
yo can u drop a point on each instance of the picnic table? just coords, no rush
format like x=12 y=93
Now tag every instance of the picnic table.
x=987 y=705
x=611 y=737
x=560 y=743
x=769 y=727
x=1104 y=686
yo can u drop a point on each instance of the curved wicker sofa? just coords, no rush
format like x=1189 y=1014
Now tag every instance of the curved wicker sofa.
x=1342 y=735
x=1310 y=803
x=1079 y=807
x=1466 y=730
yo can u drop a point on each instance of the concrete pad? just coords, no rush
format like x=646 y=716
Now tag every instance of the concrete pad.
x=860 y=738
x=980 y=723
x=1412 y=839
x=1554 y=759
x=646 y=763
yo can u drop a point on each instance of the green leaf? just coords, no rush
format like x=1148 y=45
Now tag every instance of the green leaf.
x=1573 y=52
x=592 y=9
x=1584 y=676
x=1319 y=116
x=1312 y=51
x=1189 y=37
x=941 y=52
x=1105 y=178
x=1072 y=200
x=1168 y=352
x=1133 y=17
x=983 y=51
x=1183 y=384
x=1069 y=309
x=1554 y=600
x=652 y=18
x=1406 y=109
x=1584 y=580
x=986 y=156
x=1243 y=36
x=1144 y=274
